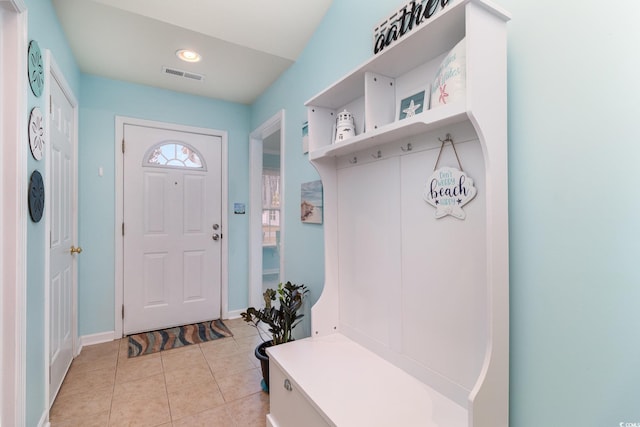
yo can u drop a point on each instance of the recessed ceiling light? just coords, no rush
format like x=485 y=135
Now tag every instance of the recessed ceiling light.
x=188 y=55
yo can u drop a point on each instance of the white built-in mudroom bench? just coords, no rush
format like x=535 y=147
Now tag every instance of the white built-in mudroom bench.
x=412 y=327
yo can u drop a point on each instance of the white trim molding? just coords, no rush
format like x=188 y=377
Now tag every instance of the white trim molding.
x=92 y=339
x=235 y=314
x=256 y=139
x=13 y=211
x=17 y=6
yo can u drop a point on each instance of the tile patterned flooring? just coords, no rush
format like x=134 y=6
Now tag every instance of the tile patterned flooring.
x=214 y=384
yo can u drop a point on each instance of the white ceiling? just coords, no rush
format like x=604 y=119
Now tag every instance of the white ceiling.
x=245 y=44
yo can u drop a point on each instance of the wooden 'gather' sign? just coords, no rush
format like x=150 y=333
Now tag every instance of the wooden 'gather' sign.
x=403 y=21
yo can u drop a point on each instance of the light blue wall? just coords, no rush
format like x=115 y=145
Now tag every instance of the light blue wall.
x=44 y=28
x=101 y=100
x=574 y=97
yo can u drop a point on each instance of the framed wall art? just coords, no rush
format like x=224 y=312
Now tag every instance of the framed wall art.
x=414 y=104
x=305 y=137
x=311 y=202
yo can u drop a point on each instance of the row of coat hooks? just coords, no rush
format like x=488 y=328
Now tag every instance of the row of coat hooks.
x=407 y=148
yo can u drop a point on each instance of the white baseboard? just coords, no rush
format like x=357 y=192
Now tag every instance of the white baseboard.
x=44 y=420
x=95 y=339
x=235 y=314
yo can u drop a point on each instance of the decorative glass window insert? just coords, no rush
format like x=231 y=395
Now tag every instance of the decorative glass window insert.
x=172 y=154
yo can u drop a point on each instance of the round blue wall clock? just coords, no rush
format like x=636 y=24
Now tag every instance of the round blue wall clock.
x=35 y=68
x=36 y=196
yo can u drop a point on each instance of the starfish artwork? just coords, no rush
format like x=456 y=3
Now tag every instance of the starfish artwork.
x=443 y=94
x=410 y=111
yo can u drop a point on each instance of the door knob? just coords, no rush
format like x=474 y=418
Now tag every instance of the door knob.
x=216 y=226
x=75 y=250
x=216 y=236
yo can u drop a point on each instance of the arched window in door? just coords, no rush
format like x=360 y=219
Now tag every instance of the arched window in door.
x=174 y=154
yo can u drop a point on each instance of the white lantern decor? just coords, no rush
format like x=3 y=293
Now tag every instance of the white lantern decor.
x=345 y=126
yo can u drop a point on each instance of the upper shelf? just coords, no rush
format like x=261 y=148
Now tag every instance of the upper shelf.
x=423 y=122
x=434 y=37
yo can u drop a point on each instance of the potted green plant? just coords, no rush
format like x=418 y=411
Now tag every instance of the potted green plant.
x=280 y=320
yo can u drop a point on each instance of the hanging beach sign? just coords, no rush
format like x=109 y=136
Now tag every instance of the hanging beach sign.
x=449 y=189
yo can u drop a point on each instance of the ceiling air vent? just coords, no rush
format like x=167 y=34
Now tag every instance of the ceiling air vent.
x=182 y=73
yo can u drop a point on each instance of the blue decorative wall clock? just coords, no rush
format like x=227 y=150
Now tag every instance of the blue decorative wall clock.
x=35 y=68
x=36 y=196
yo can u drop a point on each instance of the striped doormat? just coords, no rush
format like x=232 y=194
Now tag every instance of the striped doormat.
x=179 y=336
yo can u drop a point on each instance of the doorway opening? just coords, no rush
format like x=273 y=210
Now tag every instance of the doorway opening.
x=267 y=208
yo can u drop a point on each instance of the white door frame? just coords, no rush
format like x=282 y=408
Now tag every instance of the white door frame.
x=256 y=139
x=13 y=211
x=52 y=70
x=119 y=214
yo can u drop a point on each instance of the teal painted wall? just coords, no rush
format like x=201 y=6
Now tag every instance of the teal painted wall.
x=574 y=96
x=574 y=234
x=100 y=101
x=43 y=27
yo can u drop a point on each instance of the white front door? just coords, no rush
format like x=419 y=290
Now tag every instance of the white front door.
x=63 y=235
x=172 y=228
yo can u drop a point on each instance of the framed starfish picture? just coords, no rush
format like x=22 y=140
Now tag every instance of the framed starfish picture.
x=412 y=105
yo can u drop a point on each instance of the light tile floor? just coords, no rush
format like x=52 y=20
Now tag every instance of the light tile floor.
x=214 y=384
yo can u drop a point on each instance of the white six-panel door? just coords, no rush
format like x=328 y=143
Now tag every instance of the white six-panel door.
x=172 y=228
x=62 y=260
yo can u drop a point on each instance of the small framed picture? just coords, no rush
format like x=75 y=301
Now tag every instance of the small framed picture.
x=414 y=104
x=305 y=137
x=311 y=202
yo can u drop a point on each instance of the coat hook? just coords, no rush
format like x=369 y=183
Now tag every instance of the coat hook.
x=408 y=148
x=354 y=160
x=378 y=155
x=446 y=139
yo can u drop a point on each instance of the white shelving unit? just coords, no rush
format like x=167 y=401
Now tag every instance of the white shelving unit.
x=423 y=302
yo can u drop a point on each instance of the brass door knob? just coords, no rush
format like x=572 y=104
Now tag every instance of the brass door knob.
x=75 y=250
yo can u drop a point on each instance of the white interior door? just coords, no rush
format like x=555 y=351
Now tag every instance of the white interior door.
x=172 y=228
x=63 y=235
